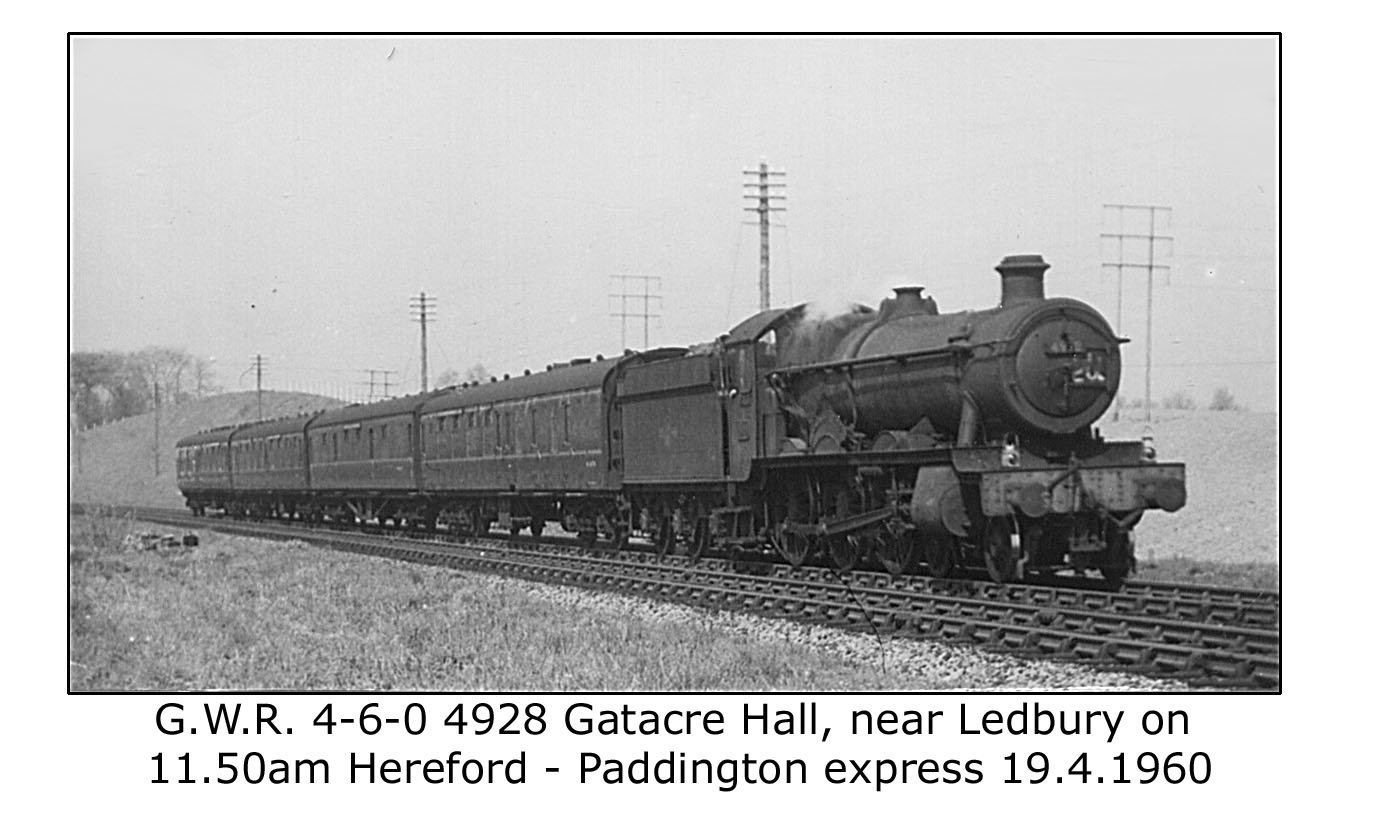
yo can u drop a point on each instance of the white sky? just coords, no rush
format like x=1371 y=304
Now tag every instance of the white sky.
x=287 y=197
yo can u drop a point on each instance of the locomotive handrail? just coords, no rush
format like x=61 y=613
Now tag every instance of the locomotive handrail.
x=900 y=356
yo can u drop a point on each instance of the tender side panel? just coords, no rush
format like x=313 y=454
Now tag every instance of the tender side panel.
x=671 y=414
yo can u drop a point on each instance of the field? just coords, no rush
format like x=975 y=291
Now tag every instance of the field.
x=1232 y=511
x=234 y=613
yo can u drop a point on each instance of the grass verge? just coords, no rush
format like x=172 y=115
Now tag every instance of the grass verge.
x=1187 y=570
x=236 y=613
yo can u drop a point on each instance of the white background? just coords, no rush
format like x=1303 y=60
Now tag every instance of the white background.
x=1318 y=744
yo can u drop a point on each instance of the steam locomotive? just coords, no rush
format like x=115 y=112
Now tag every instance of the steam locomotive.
x=898 y=436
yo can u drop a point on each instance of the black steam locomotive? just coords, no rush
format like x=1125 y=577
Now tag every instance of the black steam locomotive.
x=899 y=436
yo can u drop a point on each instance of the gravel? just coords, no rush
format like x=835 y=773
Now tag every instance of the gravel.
x=910 y=664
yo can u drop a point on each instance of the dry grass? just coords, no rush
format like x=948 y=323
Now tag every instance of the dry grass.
x=1186 y=570
x=241 y=614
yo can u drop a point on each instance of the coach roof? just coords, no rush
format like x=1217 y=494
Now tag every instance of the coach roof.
x=275 y=427
x=401 y=406
x=216 y=435
x=576 y=376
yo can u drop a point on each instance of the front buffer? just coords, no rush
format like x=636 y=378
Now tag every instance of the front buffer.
x=1022 y=515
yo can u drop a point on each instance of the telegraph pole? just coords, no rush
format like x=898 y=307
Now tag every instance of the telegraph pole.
x=625 y=296
x=1152 y=237
x=259 y=364
x=423 y=310
x=156 y=382
x=373 y=381
x=763 y=196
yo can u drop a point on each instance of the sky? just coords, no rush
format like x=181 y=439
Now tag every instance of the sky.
x=288 y=197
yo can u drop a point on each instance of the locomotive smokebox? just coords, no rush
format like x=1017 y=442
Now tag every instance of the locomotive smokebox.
x=1023 y=279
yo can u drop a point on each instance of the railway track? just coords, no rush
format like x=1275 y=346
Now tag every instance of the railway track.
x=1205 y=636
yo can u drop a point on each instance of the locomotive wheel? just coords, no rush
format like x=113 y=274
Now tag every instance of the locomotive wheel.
x=794 y=547
x=996 y=546
x=663 y=541
x=898 y=548
x=846 y=551
x=939 y=556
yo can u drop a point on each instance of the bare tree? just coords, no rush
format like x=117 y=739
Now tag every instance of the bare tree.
x=205 y=380
x=164 y=369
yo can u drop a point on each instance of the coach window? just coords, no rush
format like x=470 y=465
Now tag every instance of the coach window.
x=566 y=422
x=370 y=442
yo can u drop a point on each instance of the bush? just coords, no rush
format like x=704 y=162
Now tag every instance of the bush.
x=1223 y=399
x=1179 y=400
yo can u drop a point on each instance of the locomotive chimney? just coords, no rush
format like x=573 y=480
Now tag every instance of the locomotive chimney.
x=1022 y=279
